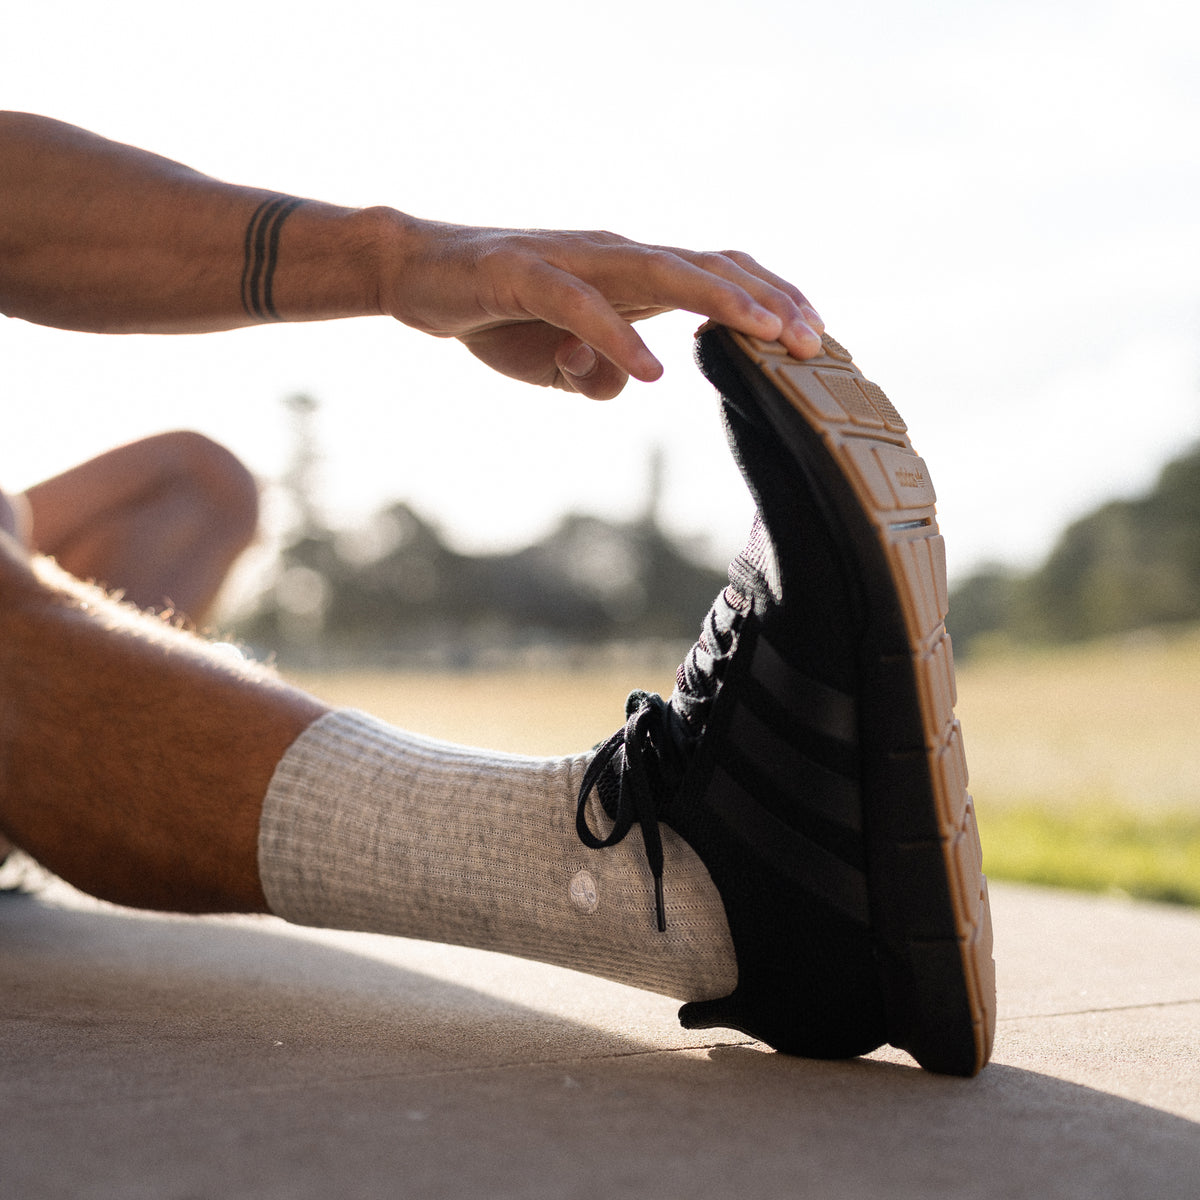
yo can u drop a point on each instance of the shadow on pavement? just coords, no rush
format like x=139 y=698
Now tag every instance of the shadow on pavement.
x=168 y=1057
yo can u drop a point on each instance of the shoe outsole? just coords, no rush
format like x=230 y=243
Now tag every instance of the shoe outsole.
x=927 y=895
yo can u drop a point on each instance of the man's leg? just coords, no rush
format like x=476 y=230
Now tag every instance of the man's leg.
x=161 y=519
x=133 y=759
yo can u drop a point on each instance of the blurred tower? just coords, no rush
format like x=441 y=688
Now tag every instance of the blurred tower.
x=309 y=563
x=655 y=476
x=300 y=478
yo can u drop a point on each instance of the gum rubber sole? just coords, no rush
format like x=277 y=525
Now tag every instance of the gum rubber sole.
x=927 y=893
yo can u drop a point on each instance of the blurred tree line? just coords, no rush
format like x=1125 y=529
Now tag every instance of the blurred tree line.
x=396 y=593
x=416 y=601
x=1130 y=564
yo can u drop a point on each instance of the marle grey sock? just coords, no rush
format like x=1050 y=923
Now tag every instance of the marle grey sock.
x=370 y=828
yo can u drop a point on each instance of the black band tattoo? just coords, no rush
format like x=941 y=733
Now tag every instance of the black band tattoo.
x=262 y=251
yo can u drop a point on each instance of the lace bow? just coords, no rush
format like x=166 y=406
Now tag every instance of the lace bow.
x=644 y=737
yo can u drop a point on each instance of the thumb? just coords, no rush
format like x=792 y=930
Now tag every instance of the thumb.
x=576 y=359
x=582 y=370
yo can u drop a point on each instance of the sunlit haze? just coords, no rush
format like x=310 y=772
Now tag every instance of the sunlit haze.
x=995 y=206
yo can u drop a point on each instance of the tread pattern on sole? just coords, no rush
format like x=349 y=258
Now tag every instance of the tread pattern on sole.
x=868 y=438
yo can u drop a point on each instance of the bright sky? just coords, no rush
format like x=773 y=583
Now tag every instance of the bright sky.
x=996 y=206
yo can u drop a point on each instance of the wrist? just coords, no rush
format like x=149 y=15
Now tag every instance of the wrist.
x=396 y=244
x=378 y=237
x=333 y=262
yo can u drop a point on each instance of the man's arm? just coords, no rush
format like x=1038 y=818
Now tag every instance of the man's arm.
x=99 y=236
x=107 y=238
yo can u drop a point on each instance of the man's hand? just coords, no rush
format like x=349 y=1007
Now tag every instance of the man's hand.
x=557 y=309
x=108 y=238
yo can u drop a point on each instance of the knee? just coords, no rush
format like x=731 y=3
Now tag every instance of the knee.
x=219 y=480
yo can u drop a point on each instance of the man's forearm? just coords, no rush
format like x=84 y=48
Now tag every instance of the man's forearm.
x=103 y=237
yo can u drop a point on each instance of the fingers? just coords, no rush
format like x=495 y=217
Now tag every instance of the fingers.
x=559 y=308
x=561 y=299
x=803 y=327
x=598 y=292
x=733 y=289
x=538 y=353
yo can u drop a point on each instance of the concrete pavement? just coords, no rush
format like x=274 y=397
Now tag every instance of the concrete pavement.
x=166 y=1057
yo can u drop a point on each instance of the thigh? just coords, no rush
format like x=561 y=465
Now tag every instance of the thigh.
x=62 y=507
x=129 y=478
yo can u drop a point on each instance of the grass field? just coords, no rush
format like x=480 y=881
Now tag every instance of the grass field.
x=1085 y=762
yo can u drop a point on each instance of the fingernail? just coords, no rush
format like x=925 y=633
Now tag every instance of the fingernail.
x=813 y=317
x=581 y=362
x=809 y=339
x=761 y=313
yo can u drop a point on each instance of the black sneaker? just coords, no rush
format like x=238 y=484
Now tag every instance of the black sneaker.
x=810 y=754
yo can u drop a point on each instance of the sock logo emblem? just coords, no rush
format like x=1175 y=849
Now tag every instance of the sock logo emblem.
x=583 y=891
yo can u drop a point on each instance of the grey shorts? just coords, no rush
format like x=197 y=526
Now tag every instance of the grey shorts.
x=14 y=515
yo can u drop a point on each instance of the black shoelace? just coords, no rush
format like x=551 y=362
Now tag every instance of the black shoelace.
x=644 y=735
x=701 y=672
x=646 y=755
